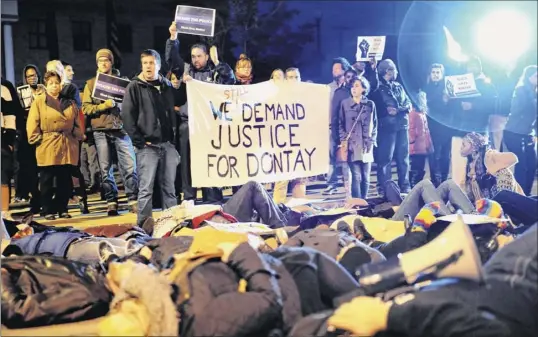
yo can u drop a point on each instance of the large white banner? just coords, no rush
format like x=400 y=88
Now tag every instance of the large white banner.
x=264 y=132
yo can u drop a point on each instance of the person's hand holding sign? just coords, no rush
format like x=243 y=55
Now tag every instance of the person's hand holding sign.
x=173 y=31
x=110 y=103
x=214 y=55
x=186 y=77
x=392 y=111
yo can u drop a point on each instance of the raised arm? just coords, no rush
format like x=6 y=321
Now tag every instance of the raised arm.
x=173 y=59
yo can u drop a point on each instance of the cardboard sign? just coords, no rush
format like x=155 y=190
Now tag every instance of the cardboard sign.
x=461 y=86
x=370 y=46
x=109 y=87
x=195 y=20
x=26 y=96
x=242 y=227
x=263 y=132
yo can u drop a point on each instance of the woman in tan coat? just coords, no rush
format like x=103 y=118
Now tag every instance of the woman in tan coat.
x=54 y=128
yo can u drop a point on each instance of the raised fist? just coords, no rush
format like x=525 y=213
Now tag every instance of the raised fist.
x=364 y=46
x=173 y=31
x=214 y=55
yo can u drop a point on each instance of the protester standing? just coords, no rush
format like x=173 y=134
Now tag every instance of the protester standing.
x=420 y=142
x=521 y=130
x=200 y=69
x=180 y=98
x=53 y=126
x=111 y=140
x=149 y=119
x=357 y=132
x=439 y=122
x=393 y=106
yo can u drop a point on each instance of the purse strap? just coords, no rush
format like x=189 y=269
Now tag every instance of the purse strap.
x=355 y=123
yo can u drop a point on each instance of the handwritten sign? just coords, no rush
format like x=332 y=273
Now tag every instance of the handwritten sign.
x=195 y=20
x=460 y=86
x=370 y=46
x=109 y=87
x=264 y=132
x=26 y=96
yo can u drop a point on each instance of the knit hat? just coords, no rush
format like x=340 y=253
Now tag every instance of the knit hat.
x=426 y=217
x=384 y=65
x=477 y=140
x=492 y=209
x=104 y=53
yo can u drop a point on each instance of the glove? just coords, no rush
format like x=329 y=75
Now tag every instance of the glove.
x=109 y=104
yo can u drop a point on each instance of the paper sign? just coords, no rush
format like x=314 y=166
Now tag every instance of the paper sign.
x=370 y=46
x=109 y=87
x=195 y=20
x=459 y=86
x=26 y=96
x=294 y=202
x=242 y=227
x=263 y=132
x=471 y=219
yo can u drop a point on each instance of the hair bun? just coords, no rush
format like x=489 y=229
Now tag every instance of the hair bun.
x=243 y=56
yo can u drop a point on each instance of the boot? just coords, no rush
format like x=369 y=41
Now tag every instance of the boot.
x=112 y=209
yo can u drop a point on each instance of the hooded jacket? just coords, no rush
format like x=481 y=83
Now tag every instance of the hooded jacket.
x=142 y=105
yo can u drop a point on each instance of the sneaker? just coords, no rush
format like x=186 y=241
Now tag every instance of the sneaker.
x=112 y=209
x=331 y=189
x=106 y=250
x=50 y=217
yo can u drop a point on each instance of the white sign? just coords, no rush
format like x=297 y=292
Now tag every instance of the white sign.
x=242 y=227
x=370 y=46
x=264 y=132
x=26 y=96
x=458 y=86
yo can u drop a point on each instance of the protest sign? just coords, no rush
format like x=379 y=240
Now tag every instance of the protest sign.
x=264 y=132
x=195 y=20
x=109 y=87
x=370 y=46
x=26 y=96
x=461 y=86
x=242 y=227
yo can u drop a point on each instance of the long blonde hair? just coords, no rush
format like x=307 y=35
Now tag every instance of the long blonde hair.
x=57 y=67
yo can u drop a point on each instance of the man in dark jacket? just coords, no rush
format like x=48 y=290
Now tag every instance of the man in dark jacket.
x=202 y=70
x=110 y=136
x=26 y=173
x=393 y=106
x=149 y=119
x=11 y=120
x=438 y=122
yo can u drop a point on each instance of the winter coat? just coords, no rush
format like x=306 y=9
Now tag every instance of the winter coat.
x=420 y=141
x=391 y=94
x=142 y=105
x=53 y=126
x=439 y=115
x=101 y=118
x=364 y=134
x=522 y=119
x=213 y=291
x=39 y=291
x=51 y=242
x=219 y=74
x=339 y=96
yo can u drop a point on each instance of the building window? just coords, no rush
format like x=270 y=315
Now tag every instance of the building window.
x=125 y=38
x=38 y=34
x=82 y=35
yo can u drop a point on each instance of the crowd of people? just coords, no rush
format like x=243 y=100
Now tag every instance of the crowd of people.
x=193 y=272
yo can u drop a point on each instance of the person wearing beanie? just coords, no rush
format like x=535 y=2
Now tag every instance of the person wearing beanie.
x=111 y=140
x=393 y=107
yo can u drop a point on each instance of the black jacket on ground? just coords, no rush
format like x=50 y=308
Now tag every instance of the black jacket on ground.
x=216 y=308
x=141 y=107
x=38 y=291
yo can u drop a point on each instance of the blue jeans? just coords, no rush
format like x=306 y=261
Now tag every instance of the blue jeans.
x=357 y=177
x=156 y=161
x=424 y=192
x=393 y=143
x=119 y=141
